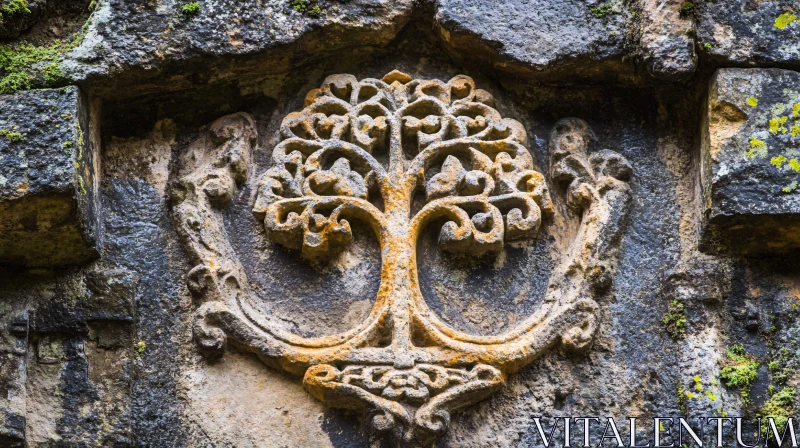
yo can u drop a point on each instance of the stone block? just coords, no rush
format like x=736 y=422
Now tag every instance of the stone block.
x=751 y=161
x=104 y=296
x=12 y=429
x=48 y=176
x=750 y=33
x=517 y=36
x=221 y=40
x=13 y=354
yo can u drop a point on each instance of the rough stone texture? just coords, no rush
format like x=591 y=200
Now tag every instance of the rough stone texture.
x=148 y=46
x=48 y=177
x=667 y=39
x=750 y=33
x=105 y=352
x=67 y=357
x=516 y=36
x=43 y=19
x=751 y=159
x=13 y=354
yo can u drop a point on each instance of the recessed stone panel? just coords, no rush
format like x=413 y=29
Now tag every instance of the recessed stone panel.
x=751 y=161
x=48 y=208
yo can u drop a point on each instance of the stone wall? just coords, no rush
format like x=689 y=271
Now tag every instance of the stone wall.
x=299 y=223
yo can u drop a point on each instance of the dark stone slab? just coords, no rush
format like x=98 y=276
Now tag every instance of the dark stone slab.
x=48 y=165
x=543 y=38
x=12 y=430
x=154 y=46
x=750 y=33
x=751 y=161
x=102 y=297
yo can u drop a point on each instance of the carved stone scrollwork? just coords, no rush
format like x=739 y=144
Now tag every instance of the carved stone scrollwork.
x=364 y=150
x=435 y=390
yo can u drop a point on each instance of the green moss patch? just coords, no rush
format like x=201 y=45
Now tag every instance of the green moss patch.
x=11 y=135
x=784 y=20
x=602 y=11
x=190 y=9
x=780 y=131
x=13 y=7
x=740 y=371
x=687 y=8
x=779 y=366
x=307 y=7
x=779 y=407
x=675 y=320
x=25 y=66
x=140 y=347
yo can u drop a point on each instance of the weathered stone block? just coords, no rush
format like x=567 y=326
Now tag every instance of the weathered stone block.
x=151 y=46
x=12 y=431
x=751 y=160
x=516 y=36
x=745 y=32
x=104 y=296
x=48 y=174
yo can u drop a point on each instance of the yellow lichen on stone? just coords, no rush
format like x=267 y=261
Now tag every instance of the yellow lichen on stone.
x=784 y=20
x=758 y=148
x=752 y=101
x=778 y=125
x=778 y=161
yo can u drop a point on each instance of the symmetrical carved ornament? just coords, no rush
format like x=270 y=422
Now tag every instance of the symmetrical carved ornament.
x=439 y=141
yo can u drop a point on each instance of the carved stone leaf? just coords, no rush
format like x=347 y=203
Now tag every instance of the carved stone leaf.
x=447 y=181
x=340 y=180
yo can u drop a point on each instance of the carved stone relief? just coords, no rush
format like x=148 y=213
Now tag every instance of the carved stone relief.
x=399 y=154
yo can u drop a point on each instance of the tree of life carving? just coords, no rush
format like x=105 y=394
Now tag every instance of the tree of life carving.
x=399 y=154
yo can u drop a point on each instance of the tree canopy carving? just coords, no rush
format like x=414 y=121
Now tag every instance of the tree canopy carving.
x=443 y=139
